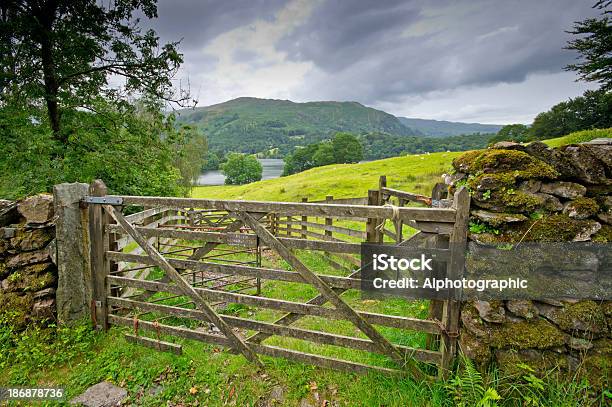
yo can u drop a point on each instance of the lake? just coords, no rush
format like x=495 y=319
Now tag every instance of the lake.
x=272 y=168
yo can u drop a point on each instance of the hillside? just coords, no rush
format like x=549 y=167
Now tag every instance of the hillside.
x=442 y=128
x=415 y=173
x=253 y=125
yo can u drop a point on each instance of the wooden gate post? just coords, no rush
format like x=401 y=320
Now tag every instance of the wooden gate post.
x=329 y=221
x=98 y=220
x=372 y=233
x=304 y=220
x=452 y=306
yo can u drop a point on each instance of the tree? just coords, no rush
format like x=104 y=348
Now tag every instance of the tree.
x=302 y=159
x=347 y=148
x=592 y=110
x=241 y=169
x=595 y=47
x=60 y=54
x=324 y=154
x=511 y=132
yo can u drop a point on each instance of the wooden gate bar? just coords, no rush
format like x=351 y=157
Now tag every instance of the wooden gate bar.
x=297 y=209
x=275 y=329
x=298 y=308
x=185 y=287
x=382 y=342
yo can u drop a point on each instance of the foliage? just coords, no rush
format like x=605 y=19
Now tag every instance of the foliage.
x=468 y=388
x=511 y=132
x=61 y=54
x=135 y=150
x=211 y=161
x=594 y=44
x=241 y=169
x=593 y=110
x=324 y=155
x=442 y=128
x=346 y=149
x=579 y=137
x=381 y=145
x=283 y=124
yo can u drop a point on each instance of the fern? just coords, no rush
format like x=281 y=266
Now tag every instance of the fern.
x=468 y=387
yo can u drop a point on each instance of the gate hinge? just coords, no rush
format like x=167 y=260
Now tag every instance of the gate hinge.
x=106 y=200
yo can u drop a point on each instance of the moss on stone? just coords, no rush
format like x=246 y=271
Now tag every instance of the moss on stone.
x=518 y=163
x=585 y=205
x=538 y=334
x=604 y=235
x=494 y=181
x=553 y=228
x=582 y=316
x=15 y=309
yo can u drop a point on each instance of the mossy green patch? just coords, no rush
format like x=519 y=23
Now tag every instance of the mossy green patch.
x=517 y=163
x=583 y=316
x=14 y=309
x=586 y=206
x=553 y=228
x=604 y=235
x=538 y=334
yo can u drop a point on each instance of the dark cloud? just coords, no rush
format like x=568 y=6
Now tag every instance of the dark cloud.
x=197 y=22
x=374 y=51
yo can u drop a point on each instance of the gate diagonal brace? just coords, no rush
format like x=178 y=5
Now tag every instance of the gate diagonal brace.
x=186 y=288
x=341 y=306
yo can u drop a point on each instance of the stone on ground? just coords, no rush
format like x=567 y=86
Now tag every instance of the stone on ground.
x=103 y=394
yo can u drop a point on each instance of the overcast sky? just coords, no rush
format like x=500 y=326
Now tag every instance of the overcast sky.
x=477 y=61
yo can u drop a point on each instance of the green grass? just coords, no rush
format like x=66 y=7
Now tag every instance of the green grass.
x=579 y=137
x=415 y=173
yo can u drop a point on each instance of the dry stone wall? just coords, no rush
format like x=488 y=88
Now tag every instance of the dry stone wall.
x=28 y=276
x=533 y=193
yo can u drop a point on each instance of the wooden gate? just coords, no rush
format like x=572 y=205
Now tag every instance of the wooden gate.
x=198 y=254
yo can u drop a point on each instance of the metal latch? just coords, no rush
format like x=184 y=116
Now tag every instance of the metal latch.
x=107 y=200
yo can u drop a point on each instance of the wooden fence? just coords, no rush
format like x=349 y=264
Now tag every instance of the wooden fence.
x=203 y=252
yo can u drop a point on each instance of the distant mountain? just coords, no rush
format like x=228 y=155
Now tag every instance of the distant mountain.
x=254 y=125
x=441 y=128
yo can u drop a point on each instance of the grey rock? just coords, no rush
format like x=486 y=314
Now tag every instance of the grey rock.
x=605 y=218
x=600 y=141
x=522 y=308
x=587 y=232
x=26 y=258
x=549 y=202
x=564 y=189
x=44 y=308
x=8 y=212
x=103 y=394
x=277 y=393
x=74 y=274
x=530 y=185
x=496 y=218
x=7 y=232
x=37 y=208
x=44 y=293
x=508 y=145
x=577 y=211
x=578 y=343
x=491 y=311
x=452 y=179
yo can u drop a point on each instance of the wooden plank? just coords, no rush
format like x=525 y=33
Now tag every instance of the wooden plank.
x=296 y=209
x=408 y=196
x=236 y=239
x=310 y=233
x=170 y=330
x=345 y=201
x=155 y=344
x=328 y=221
x=342 y=307
x=452 y=306
x=147 y=213
x=185 y=287
x=309 y=308
x=99 y=270
x=337 y=229
x=274 y=329
x=231 y=269
x=304 y=221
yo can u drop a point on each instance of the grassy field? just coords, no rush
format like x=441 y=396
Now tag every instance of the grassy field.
x=415 y=173
x=579 y=137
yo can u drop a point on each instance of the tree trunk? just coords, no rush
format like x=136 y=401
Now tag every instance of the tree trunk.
x=46 y=18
